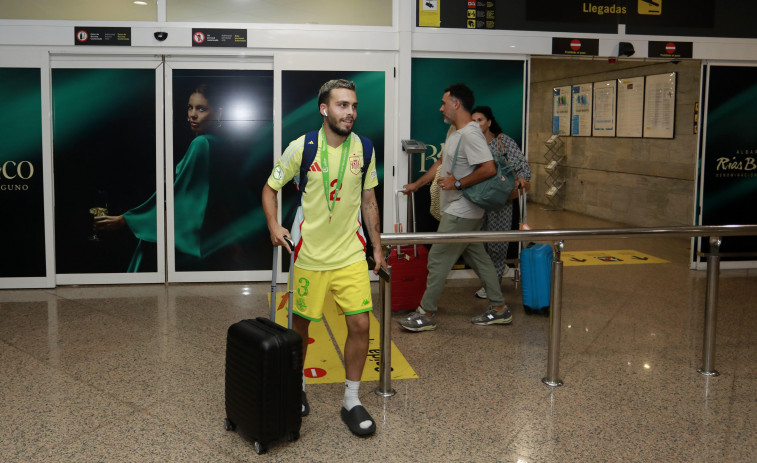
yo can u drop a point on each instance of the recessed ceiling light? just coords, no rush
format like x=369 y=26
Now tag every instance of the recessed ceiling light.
x=140 y=2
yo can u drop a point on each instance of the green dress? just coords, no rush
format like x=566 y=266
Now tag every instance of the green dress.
x=191 y=193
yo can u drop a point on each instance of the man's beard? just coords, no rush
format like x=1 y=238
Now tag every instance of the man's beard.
x=338 y=130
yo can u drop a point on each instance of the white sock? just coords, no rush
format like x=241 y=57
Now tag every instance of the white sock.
x=351 y=399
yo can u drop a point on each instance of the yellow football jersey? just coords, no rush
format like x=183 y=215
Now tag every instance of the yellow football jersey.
x=321 y=244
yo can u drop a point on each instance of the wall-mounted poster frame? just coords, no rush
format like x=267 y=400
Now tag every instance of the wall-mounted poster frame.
x=561 y=111
x=581 y=107
x=25 y=176
x=213 y=211
x=104 y=167
x=727 y=175
x=605 y=93
x=660 y=105
x=630 y=113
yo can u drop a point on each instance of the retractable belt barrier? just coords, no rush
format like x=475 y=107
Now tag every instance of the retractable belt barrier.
x=713 y=232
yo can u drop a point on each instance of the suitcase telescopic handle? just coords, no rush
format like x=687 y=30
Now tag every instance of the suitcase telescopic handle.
x=383 y=274
x=398 y=227
x=522 y=205
x=289 y=242
x=272 y=314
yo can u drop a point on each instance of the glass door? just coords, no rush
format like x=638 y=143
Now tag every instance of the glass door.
x=108 y=168
x=160 y=163
x=219 y=145
x=728 y=165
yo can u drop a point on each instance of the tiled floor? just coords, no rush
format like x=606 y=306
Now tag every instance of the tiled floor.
x=135 y=373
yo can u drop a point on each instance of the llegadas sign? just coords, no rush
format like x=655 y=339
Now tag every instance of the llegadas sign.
x=689 y=13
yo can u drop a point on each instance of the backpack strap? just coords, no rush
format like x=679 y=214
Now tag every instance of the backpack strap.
x=367 y=152
x=308 y=156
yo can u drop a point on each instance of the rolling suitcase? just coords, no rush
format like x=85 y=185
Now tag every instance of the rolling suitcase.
x=409 y=265
x=264 y=377
x=536 y=278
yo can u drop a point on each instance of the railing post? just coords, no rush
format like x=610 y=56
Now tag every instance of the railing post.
x=711 y=307
x=555 y=314
x=384 y=388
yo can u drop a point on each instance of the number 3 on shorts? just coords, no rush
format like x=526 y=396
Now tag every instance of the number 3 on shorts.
x=303 y=289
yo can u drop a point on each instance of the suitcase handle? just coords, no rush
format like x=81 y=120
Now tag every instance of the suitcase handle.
x=272 y=314
x=382 y=272
x=522 y=207
x=398 y=225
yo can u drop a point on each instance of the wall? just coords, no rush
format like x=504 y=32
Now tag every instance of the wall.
x=636 y=181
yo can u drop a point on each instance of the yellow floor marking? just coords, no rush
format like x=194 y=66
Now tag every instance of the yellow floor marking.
x=401 y=369
x=616 y=257
x=322 y=364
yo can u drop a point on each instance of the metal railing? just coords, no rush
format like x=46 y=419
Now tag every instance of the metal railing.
x=558 y=237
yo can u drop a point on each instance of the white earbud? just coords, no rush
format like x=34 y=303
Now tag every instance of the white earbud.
x=325 y=113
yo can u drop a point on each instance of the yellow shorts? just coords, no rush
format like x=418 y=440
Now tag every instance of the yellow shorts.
x=350 y=287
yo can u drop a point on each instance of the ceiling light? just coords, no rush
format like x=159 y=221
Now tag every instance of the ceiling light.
x=140 y=2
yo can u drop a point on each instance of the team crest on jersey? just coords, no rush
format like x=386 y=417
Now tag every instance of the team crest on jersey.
x=354 y=161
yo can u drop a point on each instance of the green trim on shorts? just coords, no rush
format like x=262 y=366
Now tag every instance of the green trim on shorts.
x=307 y=318
x=367 y=309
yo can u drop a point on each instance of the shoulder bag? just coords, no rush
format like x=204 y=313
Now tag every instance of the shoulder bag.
x=493 y=193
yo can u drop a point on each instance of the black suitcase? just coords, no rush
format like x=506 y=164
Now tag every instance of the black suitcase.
x=264 y=378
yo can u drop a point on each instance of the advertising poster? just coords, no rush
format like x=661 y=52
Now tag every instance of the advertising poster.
x=581 y=106
x=561 y=111
x=604 y=108
x=630 y=107
x=660 y=106
x=300 y=115
x=730 y=161
x=222 y=147
x=495 y=83
x=104 y=134
x=21 y=185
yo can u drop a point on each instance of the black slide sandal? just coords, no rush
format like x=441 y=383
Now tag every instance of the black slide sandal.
x=354 y=417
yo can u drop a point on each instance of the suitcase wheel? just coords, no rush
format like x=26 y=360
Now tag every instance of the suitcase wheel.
x=229 y=425
x=259 y=448
x=293 y=437
x=544 y=312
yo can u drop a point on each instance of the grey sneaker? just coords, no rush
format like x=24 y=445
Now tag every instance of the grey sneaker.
x=493 y=317
x=481 y=293
x=417 y=321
